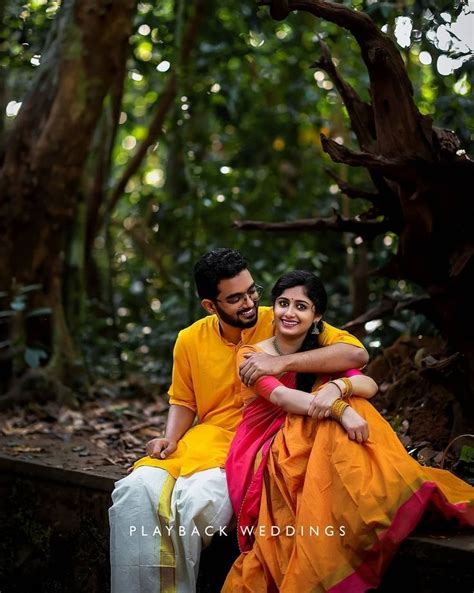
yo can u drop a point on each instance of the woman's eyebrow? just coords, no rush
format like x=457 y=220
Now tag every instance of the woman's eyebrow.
x=296 y=301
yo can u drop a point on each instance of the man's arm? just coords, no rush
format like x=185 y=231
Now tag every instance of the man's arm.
x=182 y=410
x=180 y=420
x=328 y=360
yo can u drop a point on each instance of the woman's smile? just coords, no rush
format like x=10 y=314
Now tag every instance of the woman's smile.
x=289 y=323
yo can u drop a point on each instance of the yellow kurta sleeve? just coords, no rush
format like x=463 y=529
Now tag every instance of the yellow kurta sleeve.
x=181 y=391
x=333 y=335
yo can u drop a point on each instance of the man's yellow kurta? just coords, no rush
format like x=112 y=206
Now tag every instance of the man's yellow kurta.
x=206 y=381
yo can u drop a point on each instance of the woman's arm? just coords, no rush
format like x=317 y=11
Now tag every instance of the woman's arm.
x=291 y=400
x=330 y=359
x=362 y=385
x=300 y=402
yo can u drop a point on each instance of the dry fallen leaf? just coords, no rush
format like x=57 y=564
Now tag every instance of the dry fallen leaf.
x=152 y=432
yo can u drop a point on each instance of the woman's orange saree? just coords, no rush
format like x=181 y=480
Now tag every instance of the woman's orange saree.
x=333 y=512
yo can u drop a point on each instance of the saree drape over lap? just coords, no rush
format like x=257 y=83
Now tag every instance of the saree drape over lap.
x=342 y=509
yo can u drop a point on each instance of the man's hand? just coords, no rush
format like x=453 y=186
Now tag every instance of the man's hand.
x=258 y=365
x=356 y=427
x=320 y=407
x=160 y=448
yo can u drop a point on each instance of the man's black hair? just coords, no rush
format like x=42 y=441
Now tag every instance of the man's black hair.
x=214 y=266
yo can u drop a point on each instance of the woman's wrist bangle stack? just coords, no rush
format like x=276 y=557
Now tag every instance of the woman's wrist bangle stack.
x=348 y=387
x=337 y=409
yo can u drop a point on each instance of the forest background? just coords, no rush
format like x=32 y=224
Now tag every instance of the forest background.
x=136 y=136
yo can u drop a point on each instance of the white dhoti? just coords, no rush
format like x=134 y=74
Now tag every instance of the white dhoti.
x=158 y=526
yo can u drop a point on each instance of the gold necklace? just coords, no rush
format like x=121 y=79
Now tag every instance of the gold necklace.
x=277 y=349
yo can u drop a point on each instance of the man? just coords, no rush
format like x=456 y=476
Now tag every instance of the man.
x=176 y=498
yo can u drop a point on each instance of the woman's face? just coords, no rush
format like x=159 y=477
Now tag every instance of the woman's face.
x=294 y=312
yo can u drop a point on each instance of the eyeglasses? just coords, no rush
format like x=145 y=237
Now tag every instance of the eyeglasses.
x=254 y=293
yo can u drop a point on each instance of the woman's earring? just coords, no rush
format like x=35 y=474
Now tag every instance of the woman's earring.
x=315 y=330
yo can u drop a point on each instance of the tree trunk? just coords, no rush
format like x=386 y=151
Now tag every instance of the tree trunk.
x=423 y=182
x=43 y=160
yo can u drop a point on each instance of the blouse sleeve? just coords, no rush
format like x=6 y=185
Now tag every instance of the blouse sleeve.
x=351 y=373
x=265 y=385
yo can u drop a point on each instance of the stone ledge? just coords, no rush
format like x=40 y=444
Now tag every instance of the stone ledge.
x=67 y=526
x=96 y=480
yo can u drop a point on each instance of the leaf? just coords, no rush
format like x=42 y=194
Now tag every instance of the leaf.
x=18 y=304
x=39 y=312
x=30 y=288
x=21 y=449
x=33 y=357
x=467 y=454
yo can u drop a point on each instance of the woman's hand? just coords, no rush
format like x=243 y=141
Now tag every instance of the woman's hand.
x=160 y=448
x=356 y=427
x=320 y=406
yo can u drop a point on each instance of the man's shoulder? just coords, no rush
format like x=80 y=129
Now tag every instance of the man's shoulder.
x=206 y=325
x=265 y=313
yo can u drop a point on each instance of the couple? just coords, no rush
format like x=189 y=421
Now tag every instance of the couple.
x=177 y=496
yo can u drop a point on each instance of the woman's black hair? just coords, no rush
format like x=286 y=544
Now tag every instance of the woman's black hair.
x=314 y=290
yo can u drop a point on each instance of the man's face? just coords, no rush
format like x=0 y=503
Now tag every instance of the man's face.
x=234 y=304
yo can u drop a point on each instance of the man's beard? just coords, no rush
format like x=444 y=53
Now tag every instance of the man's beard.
x=236 y=320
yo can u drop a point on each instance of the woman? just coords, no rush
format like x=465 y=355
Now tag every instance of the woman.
x=321 y=505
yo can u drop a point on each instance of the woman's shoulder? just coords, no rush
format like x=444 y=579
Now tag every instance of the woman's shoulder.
x=266 y=346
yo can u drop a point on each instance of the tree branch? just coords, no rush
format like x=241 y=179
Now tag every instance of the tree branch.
x=155 y=130
x=391 y=305
x=402 y=168
x=360 y=112
x=400 y=129
x=144 y=239
x=162 y=106
x=366 y=229
x=353 y=192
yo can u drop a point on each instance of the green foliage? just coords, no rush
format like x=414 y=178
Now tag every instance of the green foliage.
x=242 y=142
x=467 y=454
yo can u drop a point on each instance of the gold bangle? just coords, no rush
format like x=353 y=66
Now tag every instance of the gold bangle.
x=337 y=409
x=341 y=411
x=340 y=390
x=349 y=387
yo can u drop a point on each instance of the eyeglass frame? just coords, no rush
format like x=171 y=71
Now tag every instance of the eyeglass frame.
x=241 y=296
